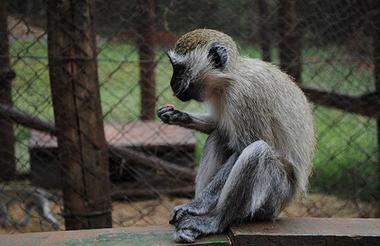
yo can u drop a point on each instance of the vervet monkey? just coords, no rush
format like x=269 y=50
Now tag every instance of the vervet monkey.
x=260 y=148
x=29 y=198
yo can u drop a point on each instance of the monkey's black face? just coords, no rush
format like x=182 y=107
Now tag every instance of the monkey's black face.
x=190 y=93
x=178 y=84
x=183 y=85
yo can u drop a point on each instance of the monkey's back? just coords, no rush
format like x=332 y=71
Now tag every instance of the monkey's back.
x=264 y=103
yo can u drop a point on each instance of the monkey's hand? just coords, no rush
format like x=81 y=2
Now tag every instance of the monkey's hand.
x=170 y=115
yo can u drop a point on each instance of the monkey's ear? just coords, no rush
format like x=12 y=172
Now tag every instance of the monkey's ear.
x=218 y=55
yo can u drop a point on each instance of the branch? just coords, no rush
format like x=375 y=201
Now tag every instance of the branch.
x=24 y=119
x=365 y=105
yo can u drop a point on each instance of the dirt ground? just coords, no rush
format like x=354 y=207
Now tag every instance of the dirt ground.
x=156 y=212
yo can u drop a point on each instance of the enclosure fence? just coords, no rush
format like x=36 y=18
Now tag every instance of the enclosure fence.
x=80 y=83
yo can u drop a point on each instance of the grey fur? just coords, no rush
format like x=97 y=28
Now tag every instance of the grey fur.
x=29 y=198
x=260 y=149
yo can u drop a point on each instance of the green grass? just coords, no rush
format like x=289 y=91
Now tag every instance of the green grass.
x=346 y=154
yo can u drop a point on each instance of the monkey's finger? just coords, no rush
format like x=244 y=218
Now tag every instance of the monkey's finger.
x=179 y=215
x=176 y=215
x=164 y=110
x=165 y=117
x=167 y=106
x=168 y=114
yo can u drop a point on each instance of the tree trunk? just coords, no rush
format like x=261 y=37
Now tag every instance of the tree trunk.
x=290 y=42
x=78 y=115
x=145 y=32
x=265 y=40
x=376 y=61
x=7 y=139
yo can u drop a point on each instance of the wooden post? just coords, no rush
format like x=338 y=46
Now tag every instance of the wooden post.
x=145 y=32
x=7 y=139
x=376 y=61
x=265 y=40
x=78 y=116
x=290 y=43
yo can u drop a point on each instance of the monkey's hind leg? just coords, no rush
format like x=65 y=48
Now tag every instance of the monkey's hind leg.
x=44 y=210
x=256 y=186
x=27 y=214
x=42 y=206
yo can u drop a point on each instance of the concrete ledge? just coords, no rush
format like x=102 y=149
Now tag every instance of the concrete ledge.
x=289 y=232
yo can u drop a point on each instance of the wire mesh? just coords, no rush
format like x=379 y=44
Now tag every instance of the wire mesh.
x=133 y=76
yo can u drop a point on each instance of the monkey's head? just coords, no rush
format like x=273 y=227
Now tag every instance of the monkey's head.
x=199 y=57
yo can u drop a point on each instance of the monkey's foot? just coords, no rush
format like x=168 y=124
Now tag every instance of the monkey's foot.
x=190 y=227
x=186 y=209
x=186 y=236
x=168 y=114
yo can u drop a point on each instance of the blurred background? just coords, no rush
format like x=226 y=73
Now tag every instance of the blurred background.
x=56 y=57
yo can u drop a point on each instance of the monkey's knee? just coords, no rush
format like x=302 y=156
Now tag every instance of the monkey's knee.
x=256 y=150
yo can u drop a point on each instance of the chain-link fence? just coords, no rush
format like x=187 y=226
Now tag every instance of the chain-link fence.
x=331 y=48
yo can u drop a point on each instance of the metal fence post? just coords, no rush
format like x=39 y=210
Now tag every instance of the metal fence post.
x=290 y=42
x=7 y=139
x=78 y=116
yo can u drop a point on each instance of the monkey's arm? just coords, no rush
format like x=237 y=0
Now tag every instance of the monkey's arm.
x=200 y=122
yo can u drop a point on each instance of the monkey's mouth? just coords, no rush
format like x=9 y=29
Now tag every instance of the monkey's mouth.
x=193 y=92
x=179 y=92
x=183 y=96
